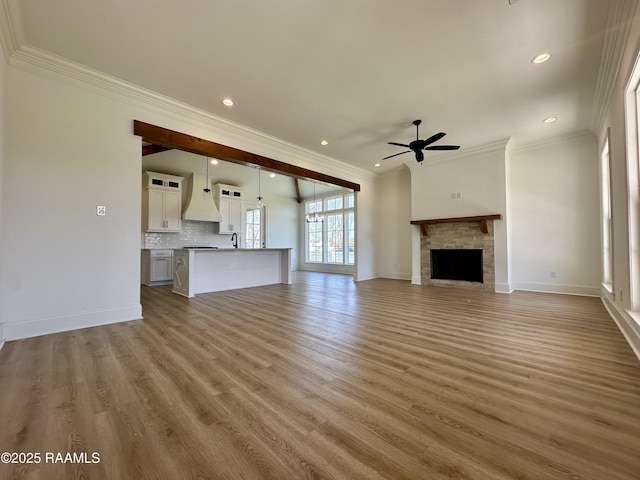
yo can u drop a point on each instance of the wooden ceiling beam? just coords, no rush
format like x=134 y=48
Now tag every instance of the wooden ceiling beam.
x=298 y=195
x=151 y=149
x=181 y=141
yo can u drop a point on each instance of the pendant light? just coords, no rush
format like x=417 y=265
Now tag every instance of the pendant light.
x=206 y=188
x=260 y=204
x=314 y=217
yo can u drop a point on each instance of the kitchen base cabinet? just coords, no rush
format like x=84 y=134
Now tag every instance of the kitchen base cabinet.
x=214 y=270
x=157 y=267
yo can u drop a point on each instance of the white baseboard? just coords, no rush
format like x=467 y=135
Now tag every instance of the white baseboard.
x=557 y=288
x=45 y=326
x=359 y=277
x=627 y=324
x=327 y=268
x=416 y=280
x=395 y=275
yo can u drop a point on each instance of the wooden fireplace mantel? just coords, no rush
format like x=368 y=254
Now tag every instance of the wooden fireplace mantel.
x=424 y=224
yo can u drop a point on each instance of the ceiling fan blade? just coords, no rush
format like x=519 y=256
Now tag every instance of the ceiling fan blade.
x=401 y=153
x=443 y=147
x=398 y=144
x=434 y=138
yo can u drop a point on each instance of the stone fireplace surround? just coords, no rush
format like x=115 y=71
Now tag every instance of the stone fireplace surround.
x=459 y=233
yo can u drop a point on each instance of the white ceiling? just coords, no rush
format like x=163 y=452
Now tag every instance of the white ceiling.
x=354 y=72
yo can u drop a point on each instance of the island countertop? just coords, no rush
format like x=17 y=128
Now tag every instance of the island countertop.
x=196 y=270
x=229 y=249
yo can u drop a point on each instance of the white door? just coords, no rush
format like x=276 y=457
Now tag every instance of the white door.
x=254 y=228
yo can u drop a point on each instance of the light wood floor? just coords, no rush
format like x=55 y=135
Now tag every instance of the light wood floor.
x=330 y=379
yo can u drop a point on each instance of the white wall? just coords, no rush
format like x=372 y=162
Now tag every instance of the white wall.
x=3 y=68
x=68 y=148
x=67 y=151
x=555 y=216
x=366 y=232
x=548 y=197
x=393 y=244
x=480 y=176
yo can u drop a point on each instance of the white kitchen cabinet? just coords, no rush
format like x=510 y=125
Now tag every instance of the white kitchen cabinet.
x=157 y=267
x=229 y=202
x=162 y=202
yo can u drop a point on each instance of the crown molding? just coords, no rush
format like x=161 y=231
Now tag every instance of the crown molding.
x=475 y=151
x=619 y=21
x=11 y=36
x=399 y=171
x=36 y=60
x=550 y=142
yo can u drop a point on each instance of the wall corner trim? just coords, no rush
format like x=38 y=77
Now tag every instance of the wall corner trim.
x=503 y=288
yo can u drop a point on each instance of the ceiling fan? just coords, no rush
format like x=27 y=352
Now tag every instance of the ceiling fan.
x=418 y=146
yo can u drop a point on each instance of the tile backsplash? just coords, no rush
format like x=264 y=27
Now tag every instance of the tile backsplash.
x=192 y=234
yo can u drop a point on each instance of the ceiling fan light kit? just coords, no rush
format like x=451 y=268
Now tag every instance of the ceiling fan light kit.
x=418 y=146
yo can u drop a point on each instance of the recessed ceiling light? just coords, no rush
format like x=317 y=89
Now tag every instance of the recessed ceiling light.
x=228 y=102
x=550 y=119
x=214 y=161
x=377 y=164
x=541 y=58
x=324 y=142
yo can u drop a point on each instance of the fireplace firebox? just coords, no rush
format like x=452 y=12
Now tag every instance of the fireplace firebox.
x=457 y=264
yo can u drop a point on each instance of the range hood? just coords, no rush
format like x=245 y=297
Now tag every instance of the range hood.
x=200 y=205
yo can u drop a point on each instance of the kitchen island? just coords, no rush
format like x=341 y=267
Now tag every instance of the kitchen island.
x=197 y=270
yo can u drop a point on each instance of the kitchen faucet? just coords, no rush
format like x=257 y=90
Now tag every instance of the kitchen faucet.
x=234 y=239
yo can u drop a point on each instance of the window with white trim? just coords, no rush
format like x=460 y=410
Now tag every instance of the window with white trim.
x=332 y=240
x=605 y=189
x=254 y=230
x=632 y=133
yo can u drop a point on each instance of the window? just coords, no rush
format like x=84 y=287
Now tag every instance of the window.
x=331 y=241
x=351 y=237
x=632 y=124
x=253 y=236
x=607 y=254
x=335 y=237
x=314 y=242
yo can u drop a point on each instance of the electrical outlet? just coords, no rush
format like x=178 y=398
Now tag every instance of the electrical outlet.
x=552 y=273
x=101 y=210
